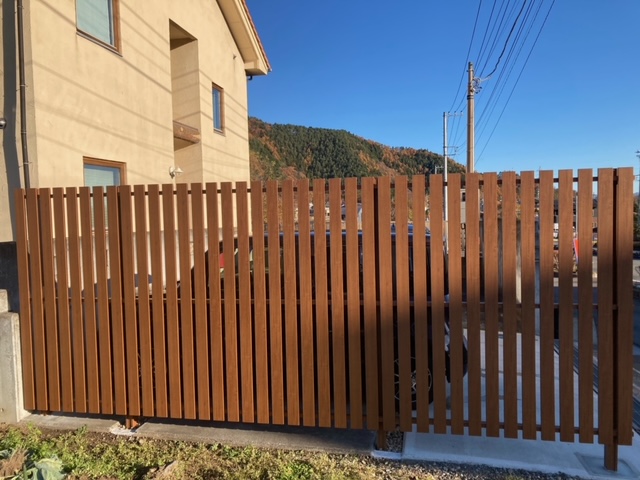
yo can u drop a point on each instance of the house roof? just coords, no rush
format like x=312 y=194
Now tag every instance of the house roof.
x=244 y=32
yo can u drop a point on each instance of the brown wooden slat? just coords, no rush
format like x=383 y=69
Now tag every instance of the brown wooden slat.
x=437 y=281
x=102 y=294
x=528 y=271
x=201 y=326
x=117 y=318
x=307 y=350
x=290 y=304
x=624 y=299
x=491 y=315
x=585 y=304
x=49 y=295
x=130 y=311
x=244 y=297
x=187 y=357
x=404 y=319
x=144 y=304
x=369 y=289
x=35 y=275
x=420 y=267
x=510 y=339
x=473 y=262
x=547 y=353
x=565 y=281
x=171 y=316
x=215 y=304
x=323 y=359
x=354 y=336
x=606 y=279
x=260 y=304
x=62 y=292
x=91 y=331
x=337 y=304
x=230 y=315
x=455 y=304
x=385 y=279
x=157 y=293
x=275 y=306
x=77 y=319
x=26 y=332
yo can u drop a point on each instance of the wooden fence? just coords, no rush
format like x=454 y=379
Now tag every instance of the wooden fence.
x=234 y=303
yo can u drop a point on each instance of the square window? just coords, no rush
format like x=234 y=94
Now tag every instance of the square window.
x=218 y=108
x=98 y=19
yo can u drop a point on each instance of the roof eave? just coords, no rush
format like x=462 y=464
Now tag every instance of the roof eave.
x=244 y=32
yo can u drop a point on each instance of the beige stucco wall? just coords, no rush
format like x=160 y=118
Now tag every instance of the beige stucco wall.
x=87 y=100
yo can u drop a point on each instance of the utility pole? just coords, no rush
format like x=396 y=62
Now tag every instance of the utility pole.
x=471 y=121
x=638 y=155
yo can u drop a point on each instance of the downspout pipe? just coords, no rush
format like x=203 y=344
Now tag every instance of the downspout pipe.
x=23 y=96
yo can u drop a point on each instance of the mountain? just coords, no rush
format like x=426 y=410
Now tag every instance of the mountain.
x=292 y=151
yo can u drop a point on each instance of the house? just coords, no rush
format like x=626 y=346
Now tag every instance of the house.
x=118 y=91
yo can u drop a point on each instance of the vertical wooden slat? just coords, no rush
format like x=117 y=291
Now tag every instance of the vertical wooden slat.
x=606 y=278
x=230 y=316
x=144 y=312
x=244 y=297
x=290 y=304
x=201 y=326
x=275 y=306
x=455 y=304
x=49 y=295
x=547 y=353
x=129 y=289
x=437 y=281
x=528 y=283
x=585 y=304
x=260 y=304
x=62 y=292
x=337 y=304
x=385 y=280
x=473 y=262
x=35 y=274
x=157 y=292
x=420 y=302
x=509 y=339
x=307 y=350
x=117 y=319
x=352 y=260
x=624 y=298
x=172 y=317
x=24 y=246
x=77 y=318
x=492 y=313
x=91 y=331
x=565 y=281
x=370 y=303
x=102 y=294
x=403 y=319
x=323 y=360
x=187 y=357
x=215 y=304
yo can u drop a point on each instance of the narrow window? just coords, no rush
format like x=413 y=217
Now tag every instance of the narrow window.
x=218 y=108
x=103 y=173
x=98 y=19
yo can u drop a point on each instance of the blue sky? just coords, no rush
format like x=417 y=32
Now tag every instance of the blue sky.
x=388 y=70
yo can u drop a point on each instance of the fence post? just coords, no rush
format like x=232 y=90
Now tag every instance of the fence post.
x=11 y=400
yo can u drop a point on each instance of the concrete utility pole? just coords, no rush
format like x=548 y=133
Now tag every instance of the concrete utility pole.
x=471 y=134
x=638 y=155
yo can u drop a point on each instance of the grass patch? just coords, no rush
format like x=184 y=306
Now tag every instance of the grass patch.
x=86 y=455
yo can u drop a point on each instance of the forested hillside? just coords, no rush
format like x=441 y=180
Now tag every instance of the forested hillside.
x=291 y=151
